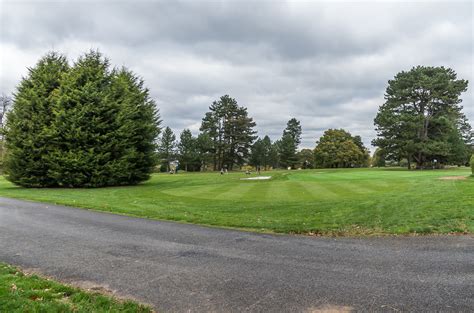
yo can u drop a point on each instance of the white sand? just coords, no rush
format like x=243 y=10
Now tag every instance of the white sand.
x=257 y=178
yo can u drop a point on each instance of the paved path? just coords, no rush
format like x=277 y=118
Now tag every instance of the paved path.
x=181 y=268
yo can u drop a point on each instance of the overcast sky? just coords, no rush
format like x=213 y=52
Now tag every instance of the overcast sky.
x=325 y=63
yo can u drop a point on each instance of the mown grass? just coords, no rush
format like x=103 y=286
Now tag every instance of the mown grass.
x=343 y=201
x=30 y=293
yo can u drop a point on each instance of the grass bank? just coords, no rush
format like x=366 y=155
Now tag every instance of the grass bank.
x=30 y=293
x=341 y=201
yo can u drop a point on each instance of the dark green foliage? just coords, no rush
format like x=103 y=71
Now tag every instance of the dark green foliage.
x=231 y=131
x=287 y=151
x=80 y=126
x=257 y=153
x=167 y=147
x=204 y=148
x=337 y=148
x=293 y=128
x=420 y=116
x=289 y=144
x=186 y=150
x=261 y=153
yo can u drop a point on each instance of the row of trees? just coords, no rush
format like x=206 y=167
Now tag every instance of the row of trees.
x=227 y=140
x=87 y=124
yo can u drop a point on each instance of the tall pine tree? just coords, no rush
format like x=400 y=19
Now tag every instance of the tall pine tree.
x=231 y=131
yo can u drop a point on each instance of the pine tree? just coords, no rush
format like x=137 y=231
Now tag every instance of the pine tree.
x=187 y=147
x=293 y=128
x=231 y=131
x=287 y=151
x=422 y=107
x=167 y=147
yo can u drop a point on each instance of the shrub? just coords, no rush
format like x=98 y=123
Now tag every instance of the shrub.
x=84 y=125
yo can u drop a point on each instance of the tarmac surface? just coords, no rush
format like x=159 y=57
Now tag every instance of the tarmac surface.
x=188 y=268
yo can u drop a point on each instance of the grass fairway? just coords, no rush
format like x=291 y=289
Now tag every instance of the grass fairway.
x=344 y=201
x=25 y=293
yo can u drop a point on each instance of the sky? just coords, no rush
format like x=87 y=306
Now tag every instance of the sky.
x=325 y=63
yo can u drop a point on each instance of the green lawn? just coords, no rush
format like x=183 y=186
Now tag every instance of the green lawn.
x=344 y=201
x=30 y=293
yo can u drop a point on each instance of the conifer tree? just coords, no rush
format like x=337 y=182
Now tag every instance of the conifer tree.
x=95 y=126
x=28 y=132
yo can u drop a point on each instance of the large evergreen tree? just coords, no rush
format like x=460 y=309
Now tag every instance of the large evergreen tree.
x=27 y=131
x=80 y=126
x=421 y=113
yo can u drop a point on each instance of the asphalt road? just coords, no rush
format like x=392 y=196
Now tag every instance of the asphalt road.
x=182 y=268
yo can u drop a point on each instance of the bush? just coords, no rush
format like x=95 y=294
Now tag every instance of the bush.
x=84 y=125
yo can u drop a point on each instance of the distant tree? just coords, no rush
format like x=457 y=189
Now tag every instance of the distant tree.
x=422 y=107
x=338 y=149
x=305 y=158
x=364 y=161
x=257 y=155
x=267 y=150
x=204 y=149
x=80 y=126
x=5 y=105
x=167 y=147
x=472 y=164
x=187 y=147
x=274 y=155
x=378 y=160
x=287 y=151
x=231 y=131
x=293 y=128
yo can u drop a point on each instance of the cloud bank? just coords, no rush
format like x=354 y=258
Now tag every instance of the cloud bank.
x=325 y=63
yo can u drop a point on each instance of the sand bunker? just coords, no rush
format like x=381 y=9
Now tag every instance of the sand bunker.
x=453 y=177
x=257 y=178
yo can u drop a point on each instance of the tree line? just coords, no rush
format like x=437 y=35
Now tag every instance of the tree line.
x=88 y=124
x=227 y=140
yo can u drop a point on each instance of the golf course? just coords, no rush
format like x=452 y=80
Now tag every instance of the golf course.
x=316 y=202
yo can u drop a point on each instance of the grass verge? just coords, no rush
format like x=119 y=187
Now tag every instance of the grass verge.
x=20 y=292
